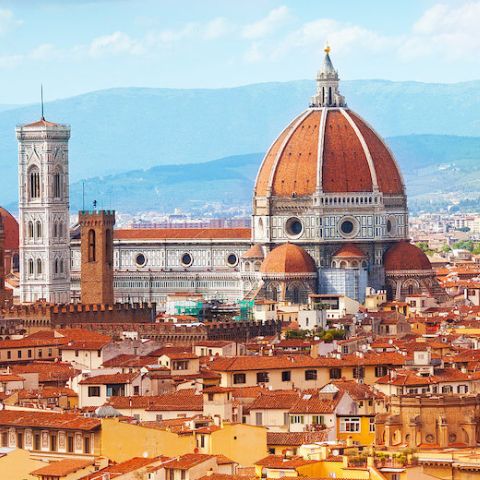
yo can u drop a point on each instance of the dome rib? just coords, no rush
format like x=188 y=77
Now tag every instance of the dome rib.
x=298 y=123
x=328 y=150
x=295 y=171
x=389 y=176
x=366 y=151
x=345 y=168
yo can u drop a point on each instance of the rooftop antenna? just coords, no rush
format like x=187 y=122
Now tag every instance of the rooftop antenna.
x=41 y=100
x=83 y=195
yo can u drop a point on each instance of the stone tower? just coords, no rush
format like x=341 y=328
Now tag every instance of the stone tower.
x=44 y=211
x=96 y=278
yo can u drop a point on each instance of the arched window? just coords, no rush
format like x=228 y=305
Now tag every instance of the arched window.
x=62 y=268
x=57 y=185
x=60 y=230
x=30 y=267
x=34 y=183
x=410 y=289
x=55 y=266
x=108 y=246
x=91 y=246
x=55 y=230
x=274 y=293
x=38 y=228
x=39 y=266
x=30 y=229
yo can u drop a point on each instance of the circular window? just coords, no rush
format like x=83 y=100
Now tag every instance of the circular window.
x=232 y=259
x=140 y=260
x=347 y=227
x=294 y=227
x=186 y=260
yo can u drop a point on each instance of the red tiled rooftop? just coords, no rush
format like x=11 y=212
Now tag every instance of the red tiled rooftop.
x=115 y=378
x=40 y=419
x=187 y=461
x=349 y=251
x=183 y=233
x=405 y=256
x=288 y=258
x=255 y=251
x=62 y=468
x=291 y=164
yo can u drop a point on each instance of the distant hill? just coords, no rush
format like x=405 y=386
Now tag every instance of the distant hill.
x=434 y=167
x=118 y=130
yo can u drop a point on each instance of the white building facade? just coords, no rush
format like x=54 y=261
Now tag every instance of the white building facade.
x=44 y=212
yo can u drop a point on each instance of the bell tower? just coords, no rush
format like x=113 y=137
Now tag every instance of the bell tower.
x=44 y=211
x=96 y=277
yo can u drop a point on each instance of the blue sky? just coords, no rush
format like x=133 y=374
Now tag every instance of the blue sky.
x=76 y=46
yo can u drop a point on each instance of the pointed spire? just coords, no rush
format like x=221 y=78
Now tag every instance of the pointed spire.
x=328 y=94
x=41 y=100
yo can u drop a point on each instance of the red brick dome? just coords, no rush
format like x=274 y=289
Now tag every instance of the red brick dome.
x=288 y=258
x=333 y=147
x=10 y=228
x=405 y=256
x=349 y=251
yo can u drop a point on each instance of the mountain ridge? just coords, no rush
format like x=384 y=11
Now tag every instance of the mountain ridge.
x=116 y=130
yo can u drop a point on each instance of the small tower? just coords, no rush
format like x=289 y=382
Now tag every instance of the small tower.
x=328 y=94
x=96 y=278
x=44 y=211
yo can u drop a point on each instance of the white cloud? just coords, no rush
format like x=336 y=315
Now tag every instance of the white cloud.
x=117 y=43
x=8 y=21
x=45 y=51
x=173 y=35
x=312 y=36
x=218 y=27
x=447 y=30
x=268 y=25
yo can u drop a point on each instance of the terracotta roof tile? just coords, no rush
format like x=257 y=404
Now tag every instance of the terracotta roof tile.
x=187 y=461
x=349 y=250
x=62 y=468
x=255 y=251
x=183 y=233
x=68 y=421
x=405 y=256
x=345 y=166
x=122 y=468
x=388 y=175
x=296 y=170
x=288 y=258
x=263 y=179
x=295 y=438
x=115 y=378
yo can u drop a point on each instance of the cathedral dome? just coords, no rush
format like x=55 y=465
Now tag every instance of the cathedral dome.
x=10 y=228
x=288 y=258
x=328 y=149
x=405 y=256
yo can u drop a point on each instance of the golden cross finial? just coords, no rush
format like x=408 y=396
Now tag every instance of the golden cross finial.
x=327 y=48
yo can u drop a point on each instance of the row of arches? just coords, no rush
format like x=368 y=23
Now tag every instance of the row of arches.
x=36 y=267
x=35 y=187
x=35 y=230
